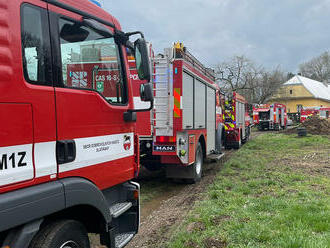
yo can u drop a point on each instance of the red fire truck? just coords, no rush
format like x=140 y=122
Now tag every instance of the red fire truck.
x=322 y=112
x=237 y=121
x=186 y=125
x=270 y=116
x=68 y=148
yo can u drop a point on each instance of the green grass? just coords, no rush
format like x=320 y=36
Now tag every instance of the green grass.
x=267 y=195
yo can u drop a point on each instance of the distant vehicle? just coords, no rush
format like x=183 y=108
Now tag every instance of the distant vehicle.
x=289 y=122
x=270 y=116
x=322 y=112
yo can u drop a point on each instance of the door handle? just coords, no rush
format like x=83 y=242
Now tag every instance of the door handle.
x=65 y=151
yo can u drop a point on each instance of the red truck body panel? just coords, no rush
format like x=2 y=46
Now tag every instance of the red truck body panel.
x=29 y=110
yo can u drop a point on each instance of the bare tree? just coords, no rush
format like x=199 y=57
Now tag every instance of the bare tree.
x=252 y=81
x=270 y=83
x=317 y=68
x=236 y=73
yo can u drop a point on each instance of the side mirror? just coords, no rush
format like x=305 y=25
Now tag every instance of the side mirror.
x=146 y=92
x=142 y=59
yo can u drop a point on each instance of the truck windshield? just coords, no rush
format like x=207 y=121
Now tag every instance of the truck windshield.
x=91 y=61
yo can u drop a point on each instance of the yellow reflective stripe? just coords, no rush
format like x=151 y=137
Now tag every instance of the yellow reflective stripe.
x=176 y=94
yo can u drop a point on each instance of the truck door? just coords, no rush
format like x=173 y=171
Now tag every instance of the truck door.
x=93 y=140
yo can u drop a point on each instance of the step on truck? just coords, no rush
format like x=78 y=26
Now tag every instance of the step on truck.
x=68 y=145
x=270 y=116
x=186 y=124
x=236 y=121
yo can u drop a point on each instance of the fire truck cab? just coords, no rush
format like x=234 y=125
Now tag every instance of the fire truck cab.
x=68 y=148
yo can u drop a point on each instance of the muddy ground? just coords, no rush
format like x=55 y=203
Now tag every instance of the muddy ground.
x=161 y=214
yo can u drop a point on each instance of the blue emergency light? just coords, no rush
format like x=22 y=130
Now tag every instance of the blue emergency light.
x=96 y=2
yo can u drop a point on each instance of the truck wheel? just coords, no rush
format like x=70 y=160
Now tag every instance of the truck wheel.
x=277 y=127
x=219 y=139
x=62 y=234
x=197 y=166
x=247 y=135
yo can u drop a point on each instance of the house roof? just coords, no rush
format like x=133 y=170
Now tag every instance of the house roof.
x=317 y=89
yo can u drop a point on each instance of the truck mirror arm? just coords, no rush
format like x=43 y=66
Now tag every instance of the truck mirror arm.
x=123 y=38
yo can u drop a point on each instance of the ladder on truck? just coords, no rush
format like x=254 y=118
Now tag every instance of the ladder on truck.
x=162 y=79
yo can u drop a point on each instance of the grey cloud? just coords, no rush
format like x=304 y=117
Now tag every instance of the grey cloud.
x=271 y=32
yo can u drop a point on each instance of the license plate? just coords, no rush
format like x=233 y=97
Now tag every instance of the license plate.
x=164 y=148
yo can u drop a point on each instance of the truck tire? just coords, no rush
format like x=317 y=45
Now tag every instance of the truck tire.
x=197 y=166
x=238 y=144
x=247 y=135
x=61 y=234
x=277 y=127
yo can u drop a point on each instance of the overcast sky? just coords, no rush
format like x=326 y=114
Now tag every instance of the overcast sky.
x=270 y=32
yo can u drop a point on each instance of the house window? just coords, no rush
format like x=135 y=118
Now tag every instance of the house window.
x=290 y=92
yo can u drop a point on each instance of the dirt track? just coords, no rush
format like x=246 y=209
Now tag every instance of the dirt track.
x=164 y=212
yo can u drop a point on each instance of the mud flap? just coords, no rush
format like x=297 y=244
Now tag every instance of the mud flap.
x=218 y=138
x=176 y=172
